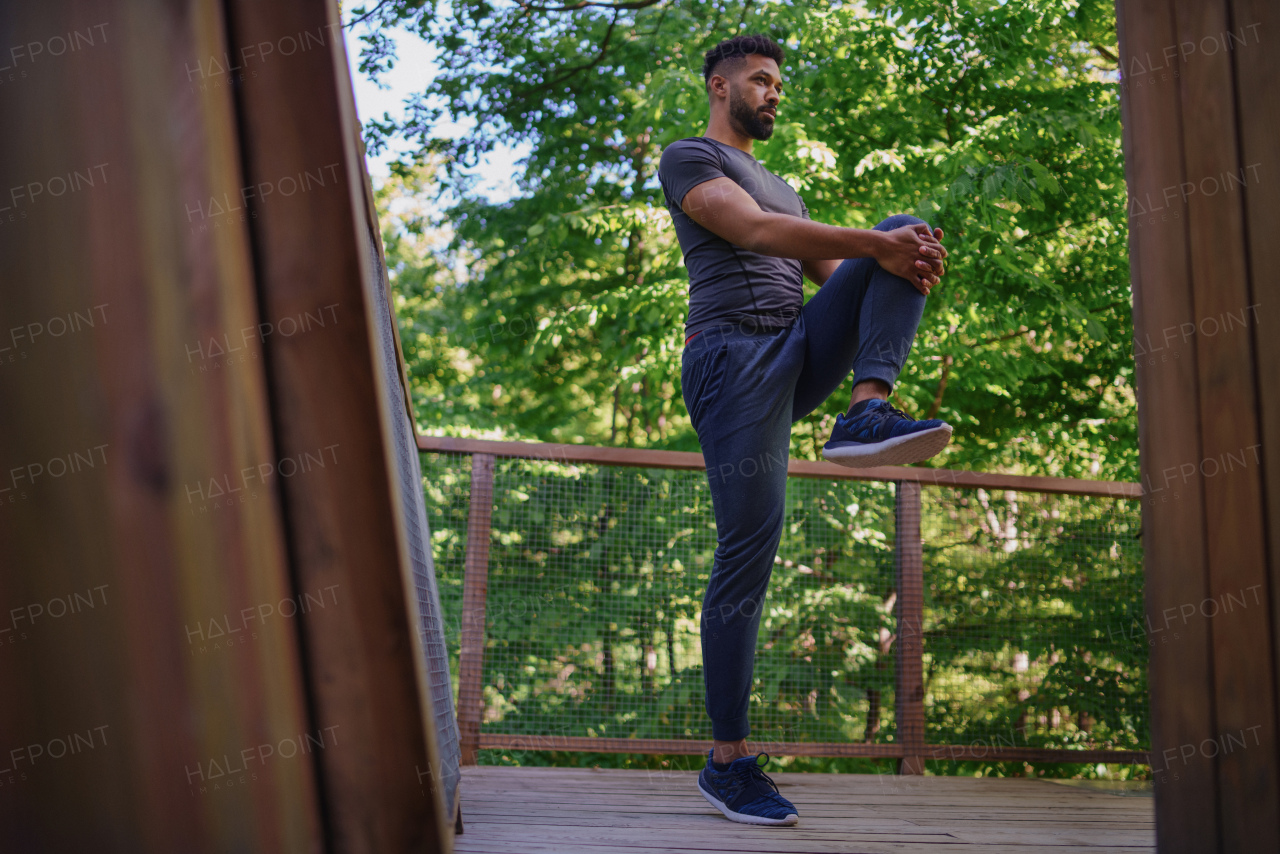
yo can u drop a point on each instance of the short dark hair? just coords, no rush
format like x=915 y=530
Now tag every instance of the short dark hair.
x=739 y=47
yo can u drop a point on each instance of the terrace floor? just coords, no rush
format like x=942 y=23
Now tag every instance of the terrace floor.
x=580 y=811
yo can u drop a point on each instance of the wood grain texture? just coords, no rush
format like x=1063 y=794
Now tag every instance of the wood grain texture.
x=909 y=646
x=162 y=537
x=1197 y=153
x=475 y=591
x=296 y=114
x=688 y=461
x=1243 y=683
x=375 y=227
x=676 y=746
x=1169 y=432
x=1257 y=73
x=581 y=810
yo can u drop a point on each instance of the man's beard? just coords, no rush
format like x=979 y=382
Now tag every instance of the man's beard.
x=750 y=121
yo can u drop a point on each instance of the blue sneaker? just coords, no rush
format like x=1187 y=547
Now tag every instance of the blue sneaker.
x=880 y=435
x=745 y=793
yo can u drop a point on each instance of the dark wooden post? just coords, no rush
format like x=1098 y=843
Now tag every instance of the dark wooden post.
x=1200 y=91
x=909 y=699
x=475 y=585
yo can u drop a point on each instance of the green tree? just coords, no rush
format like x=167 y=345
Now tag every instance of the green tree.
x=997 y=122
x=557 y=316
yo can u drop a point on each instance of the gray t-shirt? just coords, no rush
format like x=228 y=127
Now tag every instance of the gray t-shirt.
x=726 y=282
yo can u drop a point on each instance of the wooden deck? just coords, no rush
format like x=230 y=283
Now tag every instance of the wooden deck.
x=578 y=811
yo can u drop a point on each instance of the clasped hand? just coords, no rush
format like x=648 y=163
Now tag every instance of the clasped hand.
x=915 y=254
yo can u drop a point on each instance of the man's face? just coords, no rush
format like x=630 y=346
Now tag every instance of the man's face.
x=754 y=92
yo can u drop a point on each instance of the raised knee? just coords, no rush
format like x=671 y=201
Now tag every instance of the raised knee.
x=898 y=221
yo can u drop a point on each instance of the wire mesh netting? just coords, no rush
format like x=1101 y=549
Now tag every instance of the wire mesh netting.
x=1033 y=620
x=430 y=618
x=596 y=576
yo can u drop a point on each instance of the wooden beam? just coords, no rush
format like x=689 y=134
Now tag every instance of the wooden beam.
x=143 y=539
x=1243 y=683
x=1257 y=73
x=1173 y=528
x=690 y=461
x=909 y=691
x=475 y=591
x=1194 y=184
x=345 y=524
x=375 y=234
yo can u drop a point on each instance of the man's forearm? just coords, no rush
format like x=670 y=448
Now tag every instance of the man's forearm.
x=785 y=236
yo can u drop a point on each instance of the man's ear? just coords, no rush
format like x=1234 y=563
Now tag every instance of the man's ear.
x=723 y=88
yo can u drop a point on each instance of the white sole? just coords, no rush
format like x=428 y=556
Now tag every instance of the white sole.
x=745 y=819
x=899 y=451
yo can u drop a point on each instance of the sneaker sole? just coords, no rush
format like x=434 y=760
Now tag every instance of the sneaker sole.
x=743 y=817
x=900 y=451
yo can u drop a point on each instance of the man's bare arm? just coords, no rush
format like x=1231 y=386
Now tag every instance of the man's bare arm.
x=725 y=209
x=819 y=270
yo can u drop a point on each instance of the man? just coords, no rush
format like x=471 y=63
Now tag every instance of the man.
x=756 y=360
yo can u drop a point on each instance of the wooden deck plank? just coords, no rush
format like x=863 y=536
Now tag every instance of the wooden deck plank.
x=677 y=794
x=501 y=777
x=862 y=848
x=631 y=845
x=711 y=838
x=834 y=823
x=583 y=811
x=831 y=820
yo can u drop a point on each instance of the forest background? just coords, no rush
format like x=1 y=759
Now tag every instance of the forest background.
x=556 y=314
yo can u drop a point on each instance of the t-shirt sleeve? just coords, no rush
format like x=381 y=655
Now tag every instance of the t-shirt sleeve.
x=685 y=164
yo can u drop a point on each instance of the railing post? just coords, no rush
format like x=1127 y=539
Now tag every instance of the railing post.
x=475 y=585
x=909 y=694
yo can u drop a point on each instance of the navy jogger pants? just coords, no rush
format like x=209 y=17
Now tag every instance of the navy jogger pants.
x=744 y=388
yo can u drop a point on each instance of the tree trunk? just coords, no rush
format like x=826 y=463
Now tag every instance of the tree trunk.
x=608 y=688
x=873 y=714
x=671 y=648
x=882 y=664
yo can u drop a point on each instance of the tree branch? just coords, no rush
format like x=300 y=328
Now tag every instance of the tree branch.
x=942 y=386
x=604 y=48
x=1107 y=54
x=1021 y=330
x=367 y=15
x=636 y=4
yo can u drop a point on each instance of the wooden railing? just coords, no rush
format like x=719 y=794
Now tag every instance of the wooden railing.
x=909 y=748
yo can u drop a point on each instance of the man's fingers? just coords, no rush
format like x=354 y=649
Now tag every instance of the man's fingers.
x=936 y=249
x=928 y=266
x=922 y=231
x=933 y=239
